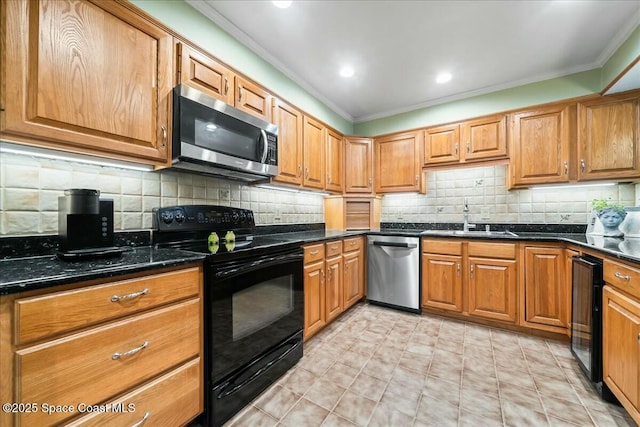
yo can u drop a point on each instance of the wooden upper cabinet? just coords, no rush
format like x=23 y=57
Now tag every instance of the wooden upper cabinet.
x=289 y=122
x=484 y=138
x=358 y=177
x=398 y=164
x=334 y=162
x=314 y=152
x=87 y=76
x=540 y=146
x=253 y=99
x=204 y=73
x=442 y=145
x=473 y=140
x=608 y=145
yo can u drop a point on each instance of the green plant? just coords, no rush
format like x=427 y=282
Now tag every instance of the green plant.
x=600 y=204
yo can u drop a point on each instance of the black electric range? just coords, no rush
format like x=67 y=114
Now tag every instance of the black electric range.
x=253 y=301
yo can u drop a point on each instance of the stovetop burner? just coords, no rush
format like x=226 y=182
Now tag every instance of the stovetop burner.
x=218 y=231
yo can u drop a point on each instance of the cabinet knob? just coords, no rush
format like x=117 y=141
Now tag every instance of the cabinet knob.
x=566 y=167
x=306 y=173
x=299 y=170
x=239 y=94
x=468 y=146
x=458 y=269
x=455 y=148
x=370 y=181
x=226 y=85
x=117 y=298
x=164 y=135
x=472 y=268
x=583 y=165
x=417 y=179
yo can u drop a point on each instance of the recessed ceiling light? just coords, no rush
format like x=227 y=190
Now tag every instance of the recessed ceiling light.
x=443 y=78
x=281 y=4
x=347 y=71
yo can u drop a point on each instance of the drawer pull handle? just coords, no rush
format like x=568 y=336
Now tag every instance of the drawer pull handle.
x=622 y=276
x=117 y=356
x=117 y=298
x=139 y=423
x=352 y=243
x=314 y=252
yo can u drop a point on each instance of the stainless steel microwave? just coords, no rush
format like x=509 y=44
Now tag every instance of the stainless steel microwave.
x=214 y=138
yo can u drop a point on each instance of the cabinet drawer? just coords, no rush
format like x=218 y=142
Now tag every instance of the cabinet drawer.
x=88 y=368
x=352 y=244
x=445 y=247
x=173 y=399
x=333 y=248
x=42 y=316
x=622 y=276
x=492 y=250
x=313 y=253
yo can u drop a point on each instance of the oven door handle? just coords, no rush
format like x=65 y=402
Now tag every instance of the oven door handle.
x=231 y=386
x=236 y=268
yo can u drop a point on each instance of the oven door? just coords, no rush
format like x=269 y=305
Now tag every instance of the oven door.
x=253 y=305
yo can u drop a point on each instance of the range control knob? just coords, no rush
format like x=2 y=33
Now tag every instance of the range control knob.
x=167 y=217
x=179 y=216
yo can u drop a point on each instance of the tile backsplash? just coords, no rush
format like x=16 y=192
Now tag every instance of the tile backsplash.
x=30 y=186
x=490 y=202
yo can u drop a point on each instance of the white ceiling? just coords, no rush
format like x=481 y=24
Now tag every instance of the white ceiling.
x=398 y=47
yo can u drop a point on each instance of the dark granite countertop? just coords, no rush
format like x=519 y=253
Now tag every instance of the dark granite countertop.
x=19 y=274
x=29 y=273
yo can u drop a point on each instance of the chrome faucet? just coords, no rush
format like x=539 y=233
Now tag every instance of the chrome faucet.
x=466 y=226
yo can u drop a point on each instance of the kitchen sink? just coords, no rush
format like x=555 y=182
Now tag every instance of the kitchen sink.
x=475 y=233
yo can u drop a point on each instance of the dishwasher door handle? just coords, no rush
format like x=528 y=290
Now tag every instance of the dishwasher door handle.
x=396 y=245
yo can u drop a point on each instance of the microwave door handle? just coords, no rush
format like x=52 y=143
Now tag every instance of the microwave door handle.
x=266 y=146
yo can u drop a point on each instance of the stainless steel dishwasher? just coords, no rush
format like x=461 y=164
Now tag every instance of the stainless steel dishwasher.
x=393 y=271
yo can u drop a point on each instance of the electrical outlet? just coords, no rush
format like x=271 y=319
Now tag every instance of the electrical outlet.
x=278 y=215
x=399 y=215
x=485 y=212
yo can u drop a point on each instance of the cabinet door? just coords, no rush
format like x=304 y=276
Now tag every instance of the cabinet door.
x=442 y=145
x=204 y=73
x=492 y=288
x=314 y=147
x=540 y=146
x=397 y=162
x=334 y=162
x=314 y=298
x=333 y=295
x=608 y=144
x=545 y=291
x=359 y=165
x=253 y=99
x=87 y=76
x=442 y=281
x=289 y=122
x=621 y=348
x=484 y=138
x=353 y=277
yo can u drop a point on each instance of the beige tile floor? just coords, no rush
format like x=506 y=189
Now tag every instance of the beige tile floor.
x=381 y=367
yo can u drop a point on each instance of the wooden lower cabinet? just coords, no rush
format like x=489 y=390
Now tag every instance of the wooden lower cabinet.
x=492 y=288
x=144 y=350
x=473 y=278
x=353 y=260
x=333 y=291
x=546 y=290
x=621 y=348
x=314 y=298
x=442 y=281
x=333 y=281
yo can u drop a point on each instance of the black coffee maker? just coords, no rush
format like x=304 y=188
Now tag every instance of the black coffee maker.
x=85 y=225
